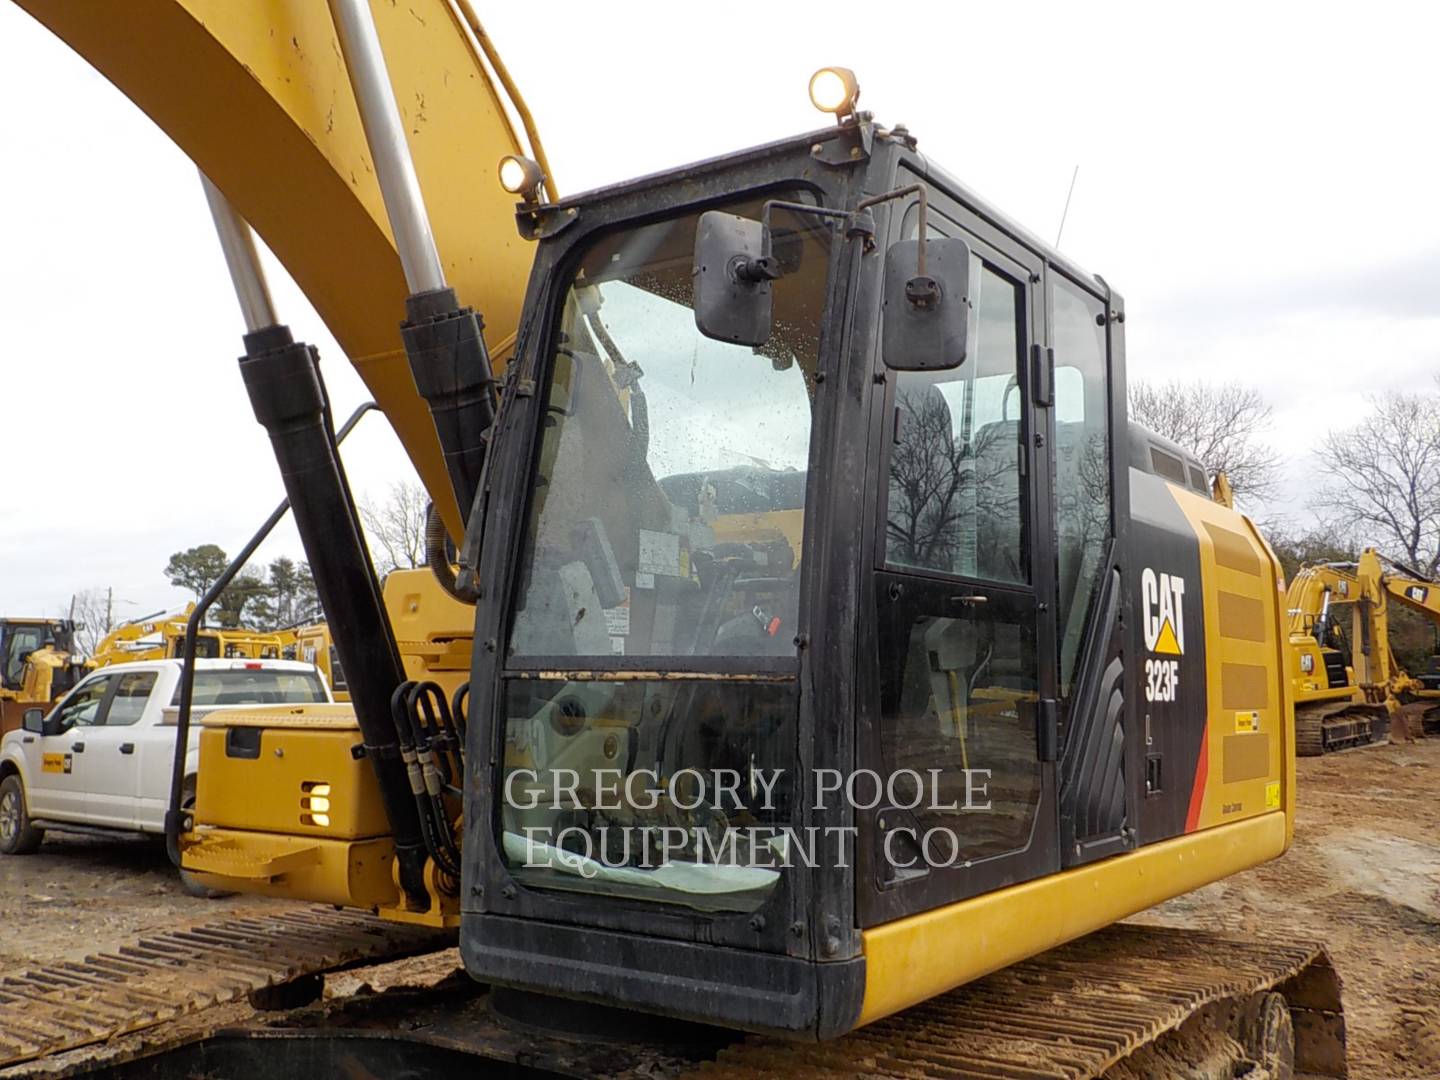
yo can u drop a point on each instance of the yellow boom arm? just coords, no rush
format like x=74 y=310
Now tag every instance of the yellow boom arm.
x=256 y=93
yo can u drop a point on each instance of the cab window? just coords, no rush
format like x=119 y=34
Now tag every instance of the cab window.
x=956 y=500
x=1082 y=459
x=23 y=642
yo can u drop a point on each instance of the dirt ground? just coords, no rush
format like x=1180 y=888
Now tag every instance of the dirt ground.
x=1363 y=877
x=78 y=895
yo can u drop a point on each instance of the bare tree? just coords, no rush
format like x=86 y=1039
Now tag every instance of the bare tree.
x=93 y=610
x=1221 y=425
x=396 y=526
x=1384 y=478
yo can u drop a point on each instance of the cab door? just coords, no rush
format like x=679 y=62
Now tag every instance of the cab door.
x=55 y=765
x=961 y=699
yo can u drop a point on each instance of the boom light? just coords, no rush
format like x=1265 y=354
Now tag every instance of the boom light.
x=520 y=176
x=834 y=90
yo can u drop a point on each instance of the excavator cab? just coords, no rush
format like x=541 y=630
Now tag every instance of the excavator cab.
x=799 y=661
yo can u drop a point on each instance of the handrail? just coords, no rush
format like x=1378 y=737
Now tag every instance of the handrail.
x=174 y=814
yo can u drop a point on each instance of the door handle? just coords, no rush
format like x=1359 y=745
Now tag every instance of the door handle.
x=78 y=747
x=28 y=738
x=970 y=599
x=127 y=747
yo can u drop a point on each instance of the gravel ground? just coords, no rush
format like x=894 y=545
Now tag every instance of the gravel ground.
x=78 y=895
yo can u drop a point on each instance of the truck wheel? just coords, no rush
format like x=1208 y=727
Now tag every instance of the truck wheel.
x=188 y=881
x=192 y=885
x=17 y=835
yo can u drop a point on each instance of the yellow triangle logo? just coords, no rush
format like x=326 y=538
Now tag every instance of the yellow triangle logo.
x=1166 y=642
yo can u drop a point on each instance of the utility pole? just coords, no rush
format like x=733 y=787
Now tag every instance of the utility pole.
x=109 y=609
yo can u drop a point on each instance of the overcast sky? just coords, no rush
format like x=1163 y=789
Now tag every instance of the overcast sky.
x=1259 y=181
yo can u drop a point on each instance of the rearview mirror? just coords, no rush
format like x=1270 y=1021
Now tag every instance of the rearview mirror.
x=732 y=274
x=927 y=304
x=33 y=721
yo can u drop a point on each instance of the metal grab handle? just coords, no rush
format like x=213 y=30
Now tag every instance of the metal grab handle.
x=970 y=599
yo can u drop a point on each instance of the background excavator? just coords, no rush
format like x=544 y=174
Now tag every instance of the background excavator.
x=161 y=635
x=807 y=465
x=1349 y=688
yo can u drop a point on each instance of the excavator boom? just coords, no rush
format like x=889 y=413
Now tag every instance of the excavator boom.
x=259 y=97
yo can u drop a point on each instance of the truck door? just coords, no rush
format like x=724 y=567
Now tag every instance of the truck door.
x=112 y=766
x=955 y=726
x=55 y=769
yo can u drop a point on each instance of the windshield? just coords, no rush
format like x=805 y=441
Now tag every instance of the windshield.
x=666 y=522
x=250 y=686
x=668 y=507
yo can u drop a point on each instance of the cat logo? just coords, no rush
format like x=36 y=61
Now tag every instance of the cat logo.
x=1163 y=621
x=1164 y=618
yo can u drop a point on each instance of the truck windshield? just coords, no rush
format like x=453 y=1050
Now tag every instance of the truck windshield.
x=669 y=498
x=255 y=686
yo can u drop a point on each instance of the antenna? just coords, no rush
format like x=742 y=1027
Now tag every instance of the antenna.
x=1064 y=213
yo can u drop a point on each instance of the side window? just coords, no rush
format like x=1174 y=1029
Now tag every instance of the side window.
x=956 y=498
x=132 y=691
x=1082 y=460
x=1167 y=465
x=83 y=707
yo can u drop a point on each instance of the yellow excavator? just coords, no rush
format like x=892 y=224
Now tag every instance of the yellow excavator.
x=820 y=636
x=1349 y=689
x=155 y=637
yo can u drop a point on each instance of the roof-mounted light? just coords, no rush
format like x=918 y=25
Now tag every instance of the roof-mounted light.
x=834 y=90
x=521 y=176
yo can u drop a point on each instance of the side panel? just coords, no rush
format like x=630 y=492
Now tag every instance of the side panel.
x=1248 y=760
x=1209 y=685
x=1168 y=636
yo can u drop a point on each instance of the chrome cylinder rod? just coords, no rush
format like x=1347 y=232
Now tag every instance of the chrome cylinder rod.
x=246 y=274
x=380 y=116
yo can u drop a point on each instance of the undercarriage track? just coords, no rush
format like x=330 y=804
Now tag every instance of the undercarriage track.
x=1075 y=1012
x=1129 y=1001
x=163 y=976
x=1324 y=729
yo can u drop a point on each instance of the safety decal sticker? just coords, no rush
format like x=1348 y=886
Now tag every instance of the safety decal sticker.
x=55 y=763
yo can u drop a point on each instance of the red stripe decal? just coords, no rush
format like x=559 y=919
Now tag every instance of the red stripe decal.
x=1202 y=773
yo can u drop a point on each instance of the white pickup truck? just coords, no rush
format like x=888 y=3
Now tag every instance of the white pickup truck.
x=101 y=759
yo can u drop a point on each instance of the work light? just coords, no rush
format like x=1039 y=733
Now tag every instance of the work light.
x=834 y=90
x=520 y=176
